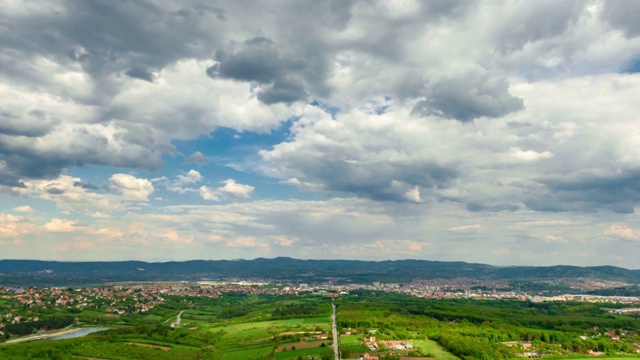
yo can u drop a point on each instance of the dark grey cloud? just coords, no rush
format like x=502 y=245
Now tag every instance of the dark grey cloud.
x=379 y=180
x=475 y=207
x=259 y=60
x=588 y=192
x=86 y=185
x=536 y=21
x=283 y=91
x=467 y=98
x=34 y=124
x=69 y=148
x=108 y=38
x=623 y=15
x=54 y=189
x=141 y=73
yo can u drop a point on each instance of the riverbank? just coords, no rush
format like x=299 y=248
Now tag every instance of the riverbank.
x=42 y=336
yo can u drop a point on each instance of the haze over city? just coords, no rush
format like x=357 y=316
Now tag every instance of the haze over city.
x=499 y=132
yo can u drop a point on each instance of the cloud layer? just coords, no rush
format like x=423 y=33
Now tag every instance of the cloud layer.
x=321 y=129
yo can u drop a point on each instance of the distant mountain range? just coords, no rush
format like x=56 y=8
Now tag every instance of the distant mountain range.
x=295 y=270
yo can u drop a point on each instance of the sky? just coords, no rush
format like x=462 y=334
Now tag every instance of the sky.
x=500 y=132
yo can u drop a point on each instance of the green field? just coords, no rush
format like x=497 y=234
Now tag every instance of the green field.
x=200 y=315
x=350 y=339
x=432 y=347
x=88 y=312
x=316 y=320
x=354 y=348
x=250 y=354
x=294 y=354
x=292 y=322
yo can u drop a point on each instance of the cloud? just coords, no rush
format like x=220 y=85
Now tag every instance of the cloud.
x=60 y=225
x=174 y=238
x=132 y=188
x=234 y=189
x=196 y=158
x=621 y=15
x=352 y=103
x=553 y=238
x=15 y=227
x=547 y=223
x=30 y=123
x=209 y=194
x=191 y=177
x=230 y=189
x=621 y=231
x=526 y=24
x=246 y=242
x=528 y=155
x=140 y=73
x=284 y=241
x=372 y=155
x=181 y=182
x=67 y=195
x=468 y=97
x=24 y=208
x=468 y=229
x=406 y=248
x=259 y=60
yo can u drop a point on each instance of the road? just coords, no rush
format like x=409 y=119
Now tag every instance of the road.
x=176 y=323
x=335 y=332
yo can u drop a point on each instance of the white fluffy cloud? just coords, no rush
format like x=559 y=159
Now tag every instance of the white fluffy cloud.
x=623 y=231
x=230 y=189
x=60 y=225
x=14 y=227
x=132 y=188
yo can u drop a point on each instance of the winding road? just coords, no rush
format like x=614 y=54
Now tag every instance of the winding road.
x=335 y=332
x=176 y=323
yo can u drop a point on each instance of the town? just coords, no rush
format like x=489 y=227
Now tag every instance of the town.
x=130 y=298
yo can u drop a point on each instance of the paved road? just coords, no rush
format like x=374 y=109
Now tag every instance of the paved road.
x=335 y=332
x=176 y=323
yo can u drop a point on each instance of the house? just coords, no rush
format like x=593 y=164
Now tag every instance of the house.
x=529 y=355
x=595 y=353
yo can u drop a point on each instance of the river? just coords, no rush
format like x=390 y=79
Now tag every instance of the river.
x=76 y=334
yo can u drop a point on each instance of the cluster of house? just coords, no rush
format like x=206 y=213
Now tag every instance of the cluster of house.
x=614 y=335
x=397 y=345
x=14 y=320
x=115 y=299
x=124 y=299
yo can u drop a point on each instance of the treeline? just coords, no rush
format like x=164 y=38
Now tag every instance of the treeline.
x=473 y=329
x=467 y=347
x=296 y=311
x=31 y=327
